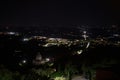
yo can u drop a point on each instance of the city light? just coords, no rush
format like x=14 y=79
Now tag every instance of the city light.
x=11 y=33
x=60 y=40
x=88 y=44
x=85 y=35
x=47 y=59
x=79 y=52
x=59 y=78
x=25 y=39
x=24 y=61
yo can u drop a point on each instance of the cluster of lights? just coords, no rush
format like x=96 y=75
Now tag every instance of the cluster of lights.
x=53 y=41
x=39 y=60
x=23 y=62
x=50 y=44
x=60 y=78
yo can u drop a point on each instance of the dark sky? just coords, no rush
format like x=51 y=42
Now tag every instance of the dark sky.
x=60 y=12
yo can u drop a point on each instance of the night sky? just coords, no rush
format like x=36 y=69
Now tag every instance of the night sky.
x=59 y=12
